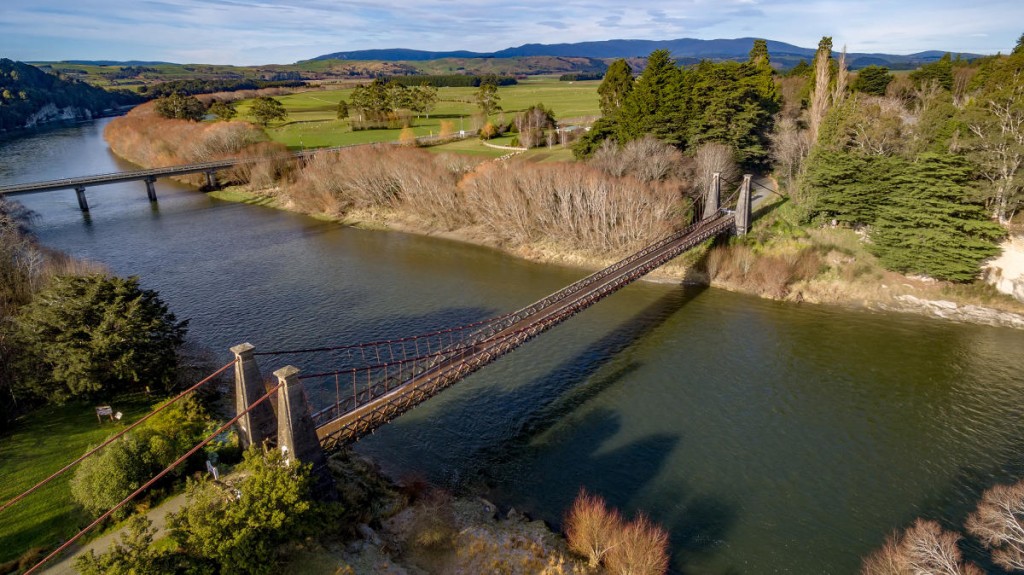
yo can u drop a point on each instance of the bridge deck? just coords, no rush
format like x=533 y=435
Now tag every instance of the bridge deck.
x=512 y=332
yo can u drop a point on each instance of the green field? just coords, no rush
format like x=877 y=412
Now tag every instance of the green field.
x=43 y=442
x=312 y=115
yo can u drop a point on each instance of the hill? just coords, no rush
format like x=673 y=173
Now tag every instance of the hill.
x=684 y=50
x=30 y=96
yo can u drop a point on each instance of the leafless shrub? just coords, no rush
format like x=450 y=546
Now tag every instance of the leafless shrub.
x=642 y=549
x=647 y=160
x=574 y=205
x=711 y=158
x=924 y=548
x=592 y=529
x=999 y=524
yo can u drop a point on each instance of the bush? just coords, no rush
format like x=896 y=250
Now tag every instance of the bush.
x=641 y=549
x=591 y=528
x=240 y=528
x=103 y=480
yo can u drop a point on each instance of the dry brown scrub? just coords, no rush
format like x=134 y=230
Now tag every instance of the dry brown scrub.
x=598 y=533
x=514 y=203
x=145 y=138
x=741 y=267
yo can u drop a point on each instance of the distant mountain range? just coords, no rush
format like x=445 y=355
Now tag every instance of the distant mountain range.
x=684 y=50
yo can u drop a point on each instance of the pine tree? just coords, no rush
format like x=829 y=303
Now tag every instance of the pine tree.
x=655 y=105
x=615 y=87
x=927 y=226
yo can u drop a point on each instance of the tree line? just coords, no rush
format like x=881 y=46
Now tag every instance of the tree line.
x=730 y=103
x=452 y=80
x=928 y=164
x=200 y=86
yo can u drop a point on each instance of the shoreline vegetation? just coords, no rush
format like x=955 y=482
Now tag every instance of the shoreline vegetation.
x=581 y=214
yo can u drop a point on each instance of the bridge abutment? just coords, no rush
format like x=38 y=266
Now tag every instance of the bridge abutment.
x=712 y=196
x=211 y=180
x=743 y=207
x=257 y=425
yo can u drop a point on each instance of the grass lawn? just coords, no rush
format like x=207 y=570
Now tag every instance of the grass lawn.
x=44 y=441
x=312 y=116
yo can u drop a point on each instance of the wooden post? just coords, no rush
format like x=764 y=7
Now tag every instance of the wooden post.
x=211 y=180
x=151 y=188
x=83 y=204
x=711 y=197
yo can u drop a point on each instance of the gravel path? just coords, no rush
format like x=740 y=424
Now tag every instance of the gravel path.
x=158 y=515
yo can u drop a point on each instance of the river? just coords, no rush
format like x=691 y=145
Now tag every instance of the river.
x=767 y=437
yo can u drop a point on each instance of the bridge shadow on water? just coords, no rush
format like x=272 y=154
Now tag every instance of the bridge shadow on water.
x=535 y=445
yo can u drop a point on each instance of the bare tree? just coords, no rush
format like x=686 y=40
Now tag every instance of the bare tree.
x=789 y=146
x=711 y=158
x=999 y=524
x=997 y=147
x=923 y=549
x=591 y=528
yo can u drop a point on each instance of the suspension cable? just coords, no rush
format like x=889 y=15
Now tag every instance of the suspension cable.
x=156 y=478
x=383 y=342
x=113 y=438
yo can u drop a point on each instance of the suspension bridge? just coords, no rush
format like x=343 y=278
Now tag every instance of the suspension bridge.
x=373 y=383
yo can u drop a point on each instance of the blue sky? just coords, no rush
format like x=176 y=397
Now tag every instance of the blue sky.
x=279 y=32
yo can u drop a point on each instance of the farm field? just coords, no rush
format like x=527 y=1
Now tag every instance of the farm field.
x=312 y=116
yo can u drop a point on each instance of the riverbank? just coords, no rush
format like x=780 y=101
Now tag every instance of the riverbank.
x=846 y=273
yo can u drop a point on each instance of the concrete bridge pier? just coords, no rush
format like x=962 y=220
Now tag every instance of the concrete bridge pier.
x=83 y=204
x=296 y=434
x=743 y=207
x=712 y=196
x=211 y=180
x=151 y=188
x=258 y=425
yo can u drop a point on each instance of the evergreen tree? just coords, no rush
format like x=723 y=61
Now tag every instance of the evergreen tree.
x=241 y=535
x=266 y=109
x=733 y=104
x=487 y=98
x=96 y=335
x=928 y=226
x=342 y=109
x=873 y=80
x=846 y=187
x=940 y=72
x=223 y=110
x=615 y=87
x=759 y=54
x=655 y=105
x=181 y=107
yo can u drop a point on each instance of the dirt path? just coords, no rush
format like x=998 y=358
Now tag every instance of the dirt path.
x=158 y=515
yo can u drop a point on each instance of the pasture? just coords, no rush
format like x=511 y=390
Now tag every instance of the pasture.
x=312 y=115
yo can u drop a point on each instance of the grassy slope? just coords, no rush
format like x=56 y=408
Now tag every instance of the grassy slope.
x=312 y=116
x=44 y=441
